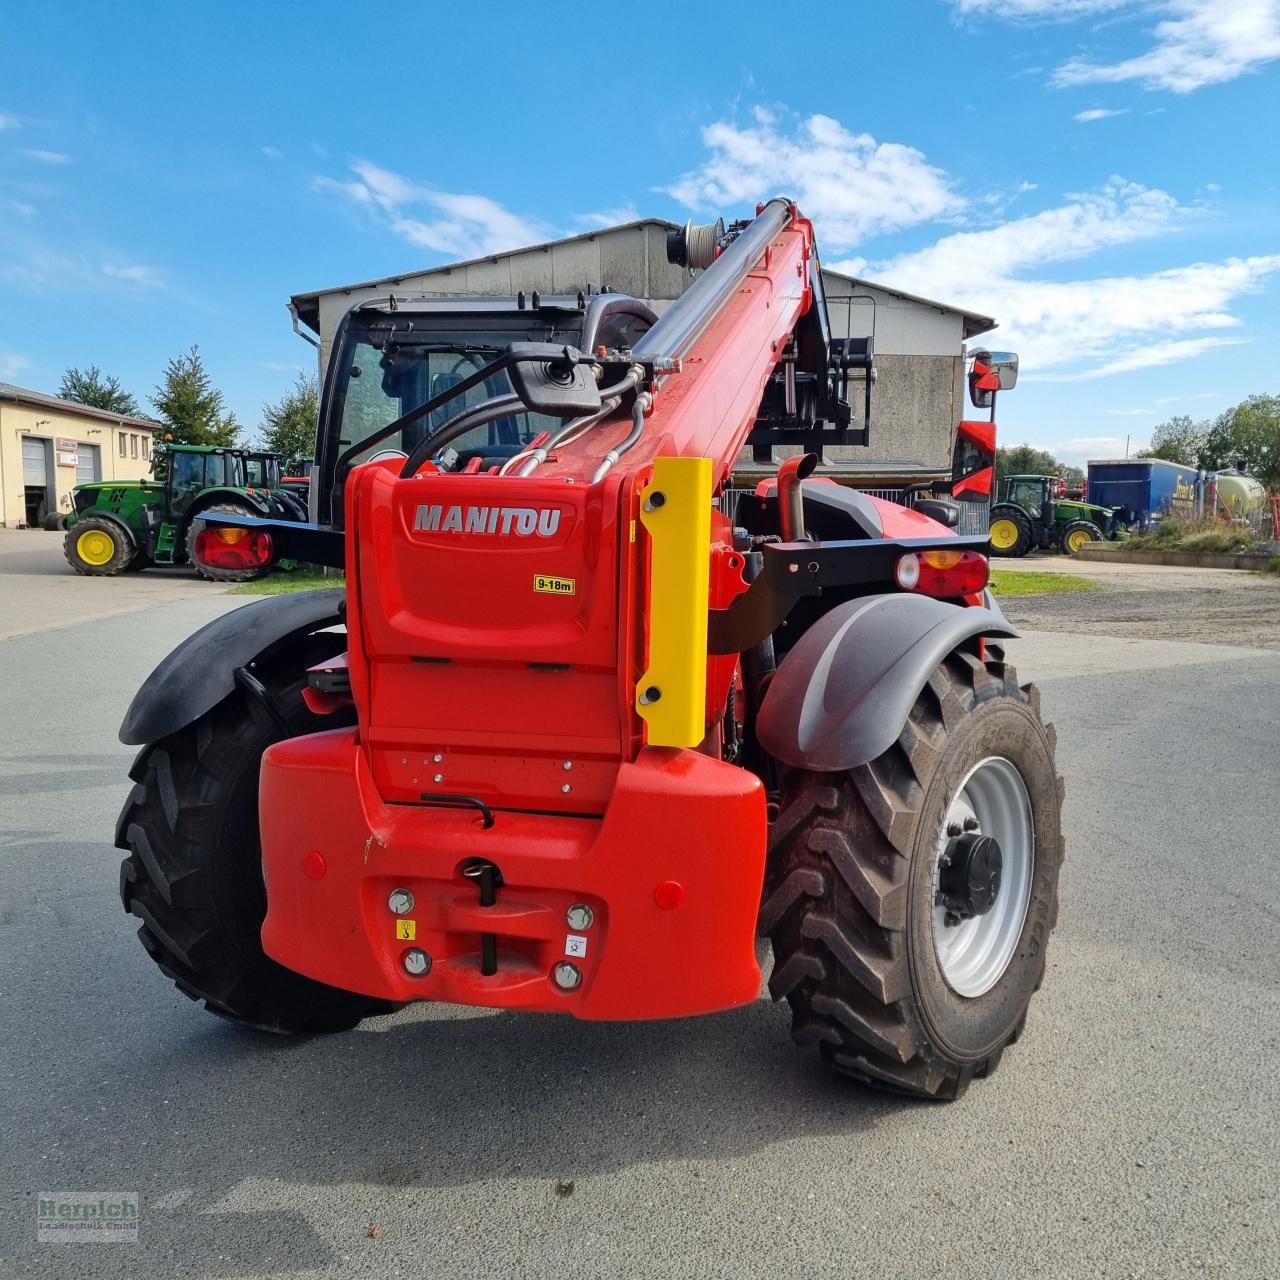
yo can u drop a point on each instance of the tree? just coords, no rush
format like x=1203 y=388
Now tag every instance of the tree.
x=1247 y=436
x=1181 y=439
x=1025 y=460
x=90 y=386
x=191 y=408
x=289 y=425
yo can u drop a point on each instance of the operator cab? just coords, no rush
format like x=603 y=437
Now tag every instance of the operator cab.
x=392 y=357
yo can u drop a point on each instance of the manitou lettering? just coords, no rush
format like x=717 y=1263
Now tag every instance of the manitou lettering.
x=524 y=522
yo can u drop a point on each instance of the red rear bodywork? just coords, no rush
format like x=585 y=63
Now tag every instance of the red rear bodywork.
x=499 y=626
x=497 y=631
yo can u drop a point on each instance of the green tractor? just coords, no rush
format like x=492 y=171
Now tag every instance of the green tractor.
x=1030 y=512
x=124 y=526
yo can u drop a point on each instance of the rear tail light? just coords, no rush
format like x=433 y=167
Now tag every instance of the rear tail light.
x=233 y=547
x=945 y=574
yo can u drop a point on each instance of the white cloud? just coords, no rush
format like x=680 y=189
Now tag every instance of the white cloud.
x=1088 y=327
x=11 y=365
x=1098 y=113
x=1037 y=10
x=1194 y=43
x=460 y=225
x=1200 y=42
x=853 y=185
x=272 y=153
x=607 y=217
x=9 y=121
x=22 y=208
x=33 y=267
x=1078 y=450
x=133 y=273
x=41 y=156
x=1150 y=356
x=1131 y=413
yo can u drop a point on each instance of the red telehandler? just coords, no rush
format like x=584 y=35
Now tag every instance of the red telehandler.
x=570 y=738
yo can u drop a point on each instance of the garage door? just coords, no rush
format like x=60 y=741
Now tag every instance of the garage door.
x=87 y=469
x=34 y=471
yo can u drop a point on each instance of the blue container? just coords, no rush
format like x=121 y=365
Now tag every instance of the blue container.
x=1143 y=489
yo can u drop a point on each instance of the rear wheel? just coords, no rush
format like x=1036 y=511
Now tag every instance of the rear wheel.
x=98 y=548
x=193 y=875
x=909 y=901
x=1079 y=533
x=1010 y=532
x=211 y=572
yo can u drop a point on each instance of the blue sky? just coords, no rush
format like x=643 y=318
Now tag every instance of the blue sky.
x=1100 y=175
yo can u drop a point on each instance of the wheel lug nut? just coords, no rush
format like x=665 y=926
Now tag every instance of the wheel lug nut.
x=400 y=902
x=567 y=976
x=416 y=962
x=971 y=824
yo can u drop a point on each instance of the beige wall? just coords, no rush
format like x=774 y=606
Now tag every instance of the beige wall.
x=20 y=421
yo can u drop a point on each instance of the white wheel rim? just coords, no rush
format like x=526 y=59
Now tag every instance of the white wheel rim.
x=974 y=954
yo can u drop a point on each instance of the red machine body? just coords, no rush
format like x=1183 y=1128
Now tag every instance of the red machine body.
x=497 y=629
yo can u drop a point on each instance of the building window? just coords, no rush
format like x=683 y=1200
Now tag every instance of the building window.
x=146 y=447
x=120 y=437
x=133 y=445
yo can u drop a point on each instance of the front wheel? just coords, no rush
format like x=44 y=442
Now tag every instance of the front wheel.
x=910 y=901
x=1010 y=532
x=97 y=548
x=1079 y=533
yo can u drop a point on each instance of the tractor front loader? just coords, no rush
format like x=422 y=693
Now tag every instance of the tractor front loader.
x=569 y=739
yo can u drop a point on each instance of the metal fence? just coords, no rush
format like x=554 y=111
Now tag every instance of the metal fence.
x=975 y=517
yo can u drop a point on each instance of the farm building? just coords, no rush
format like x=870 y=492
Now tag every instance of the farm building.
x=48 y=446
x=919 y=344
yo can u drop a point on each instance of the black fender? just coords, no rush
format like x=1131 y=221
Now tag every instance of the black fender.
x=201 y=671
x=842 y=695
x=111 y=518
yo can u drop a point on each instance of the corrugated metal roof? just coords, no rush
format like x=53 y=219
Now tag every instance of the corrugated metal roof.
x=22 y=395
x=307 y=308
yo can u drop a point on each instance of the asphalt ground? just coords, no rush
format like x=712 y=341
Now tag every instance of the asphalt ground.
x=1131 y=1132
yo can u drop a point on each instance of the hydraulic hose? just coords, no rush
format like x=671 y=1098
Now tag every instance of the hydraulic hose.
x=611 y=398
x=459 y=425
x=643 y=402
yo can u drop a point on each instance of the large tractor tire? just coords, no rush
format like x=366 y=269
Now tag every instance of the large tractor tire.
x=210 y=572
x=193 y=875
x=909 y=901
x=98 y=548
x=1079 y=533
x=1010 y=532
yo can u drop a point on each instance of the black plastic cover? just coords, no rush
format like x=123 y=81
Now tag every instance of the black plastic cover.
x=843 y=693
x=200 y=672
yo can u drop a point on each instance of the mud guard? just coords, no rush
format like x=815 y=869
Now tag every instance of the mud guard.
x=842 y=695
x=200 y=672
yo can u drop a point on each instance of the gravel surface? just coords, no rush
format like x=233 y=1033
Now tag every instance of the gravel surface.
x=1228 y=607
x=1131 y=1132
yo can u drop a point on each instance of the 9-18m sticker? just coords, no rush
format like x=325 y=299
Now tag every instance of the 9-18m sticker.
x=549 y=585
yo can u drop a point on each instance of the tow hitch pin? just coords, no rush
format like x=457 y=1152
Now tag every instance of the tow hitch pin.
x=486 y=874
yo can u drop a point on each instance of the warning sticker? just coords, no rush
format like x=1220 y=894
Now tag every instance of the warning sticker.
x=406 y=930
x=549 y=585
x=575 y=945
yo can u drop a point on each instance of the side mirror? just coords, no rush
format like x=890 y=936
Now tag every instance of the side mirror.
x=552 y=380
x=991 y=371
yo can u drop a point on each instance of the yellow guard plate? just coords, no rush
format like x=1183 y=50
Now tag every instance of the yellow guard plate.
x=679 y=527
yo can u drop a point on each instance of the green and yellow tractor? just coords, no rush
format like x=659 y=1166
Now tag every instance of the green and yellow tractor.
x=1031 y=512
x=127 y=525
